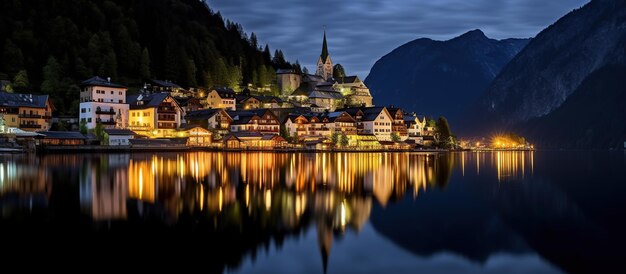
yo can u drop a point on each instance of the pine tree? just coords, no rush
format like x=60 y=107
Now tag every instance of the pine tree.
x=12 y=59
x=191 y=73
x=20 y=82
x=267 y=56
x=145 y=64
x=51 y=76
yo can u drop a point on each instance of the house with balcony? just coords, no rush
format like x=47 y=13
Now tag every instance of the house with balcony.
x=398 y=126
x=372 y=120
x=104 y=102
x=27 y=112
x=155 y=115
x=212 y=119
x=341 y=122
x=296 y=126
x=260 y=120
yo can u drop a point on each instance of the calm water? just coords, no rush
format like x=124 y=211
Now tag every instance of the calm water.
x=500 y=212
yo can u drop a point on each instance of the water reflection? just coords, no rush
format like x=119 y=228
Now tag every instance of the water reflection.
x=475 y=204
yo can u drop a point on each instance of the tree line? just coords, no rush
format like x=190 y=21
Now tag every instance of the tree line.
x=49 y=46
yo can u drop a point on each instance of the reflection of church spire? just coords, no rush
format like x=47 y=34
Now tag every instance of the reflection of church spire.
x=325 y=241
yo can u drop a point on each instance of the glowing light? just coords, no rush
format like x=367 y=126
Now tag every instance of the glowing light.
x=343 y=214
x=268 y=200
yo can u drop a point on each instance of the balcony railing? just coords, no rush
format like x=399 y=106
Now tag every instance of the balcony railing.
x=107 y=111
x=26 y=115
x=30 y=126
x=165 y=118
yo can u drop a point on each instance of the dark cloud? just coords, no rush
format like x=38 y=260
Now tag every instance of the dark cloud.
x=361 y=31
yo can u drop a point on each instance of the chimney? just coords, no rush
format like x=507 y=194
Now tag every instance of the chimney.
x=109 y=79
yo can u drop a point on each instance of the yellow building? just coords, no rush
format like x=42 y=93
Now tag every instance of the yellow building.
x=26 y=111
x=155 y=115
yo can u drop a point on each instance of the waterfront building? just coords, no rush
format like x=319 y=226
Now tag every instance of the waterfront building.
x=27 y=112
x=259 y=120
x=398 y=126
x=118 y=137
x=155 y=115
x=104 y=102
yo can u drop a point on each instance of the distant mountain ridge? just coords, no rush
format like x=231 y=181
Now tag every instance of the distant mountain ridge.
x=440 y=77
x=583 y=52
x=555 y=63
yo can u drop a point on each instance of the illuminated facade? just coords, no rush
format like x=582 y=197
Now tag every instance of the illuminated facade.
x=262 y=121
x=223 y=98
x=154 y=115
x=104 y=102
x=27 y=112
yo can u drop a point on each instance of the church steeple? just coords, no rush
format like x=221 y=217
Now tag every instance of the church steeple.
x=324 y=63
x=324 y=54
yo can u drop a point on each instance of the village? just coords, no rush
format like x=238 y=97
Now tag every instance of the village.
x=313 y=112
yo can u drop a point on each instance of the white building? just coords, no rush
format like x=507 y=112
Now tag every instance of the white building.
x=373 y=120
x=119 y=137
x=102 y=101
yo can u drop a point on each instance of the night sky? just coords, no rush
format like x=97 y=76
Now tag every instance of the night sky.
x=361 y=31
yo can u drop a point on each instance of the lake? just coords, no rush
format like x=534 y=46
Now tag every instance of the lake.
x=470 y=212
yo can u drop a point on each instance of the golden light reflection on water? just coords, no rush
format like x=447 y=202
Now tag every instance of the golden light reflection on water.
x=210 y=181
x=334 y=190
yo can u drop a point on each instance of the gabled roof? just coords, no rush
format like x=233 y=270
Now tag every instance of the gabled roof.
x=393 y=110
x=146 y=101
x=242 y=117
x=268 y=99
x=167 y=84
x=23 y=100
x=203 y=114
x=224 y=92
x=332 y=116
x=101 y=82
x=348 y=80
x=352 y=111
x=325 y=94
x=313 y=78
x=371 y=113
x=293 y=116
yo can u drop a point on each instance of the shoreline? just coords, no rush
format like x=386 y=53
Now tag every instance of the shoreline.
x=127 y=149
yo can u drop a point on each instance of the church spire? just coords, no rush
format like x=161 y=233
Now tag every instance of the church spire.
x=324 y=54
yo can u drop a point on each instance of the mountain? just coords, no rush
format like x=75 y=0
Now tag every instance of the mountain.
x=440 y=77
x=54 y=44
x=553 y=66
x=592 y=117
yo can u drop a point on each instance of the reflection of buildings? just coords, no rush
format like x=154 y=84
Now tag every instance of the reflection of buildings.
x=104 y=187
x=25 y=182
x=274 y=193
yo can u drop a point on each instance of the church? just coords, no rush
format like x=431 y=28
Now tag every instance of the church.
x=321 y=91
